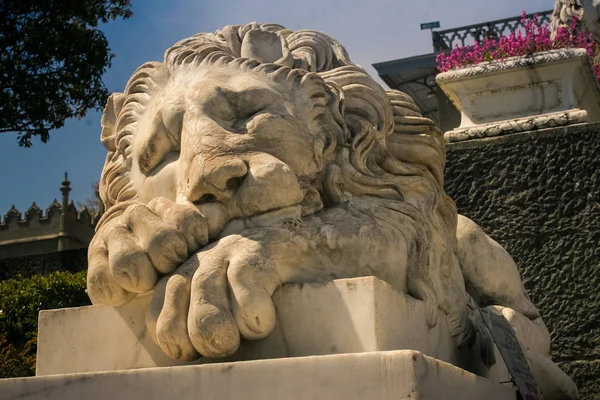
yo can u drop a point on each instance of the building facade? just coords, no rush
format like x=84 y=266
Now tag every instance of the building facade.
x=60 y=228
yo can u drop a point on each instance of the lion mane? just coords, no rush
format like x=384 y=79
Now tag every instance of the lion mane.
x=379 y=145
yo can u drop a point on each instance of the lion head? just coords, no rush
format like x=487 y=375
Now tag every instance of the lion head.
x=256 y=122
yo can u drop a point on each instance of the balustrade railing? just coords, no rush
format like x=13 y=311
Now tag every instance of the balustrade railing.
x=468 y=35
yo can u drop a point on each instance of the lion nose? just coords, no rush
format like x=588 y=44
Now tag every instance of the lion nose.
x=215 y=180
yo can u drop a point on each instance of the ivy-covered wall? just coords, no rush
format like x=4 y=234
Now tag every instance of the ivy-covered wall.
x=538 y=194
x=43 y=264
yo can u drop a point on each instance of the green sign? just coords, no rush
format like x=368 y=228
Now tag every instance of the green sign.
x=430 y=25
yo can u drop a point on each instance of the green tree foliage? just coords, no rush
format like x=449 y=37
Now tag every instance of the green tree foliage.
x=52 y=61
x=20 y=303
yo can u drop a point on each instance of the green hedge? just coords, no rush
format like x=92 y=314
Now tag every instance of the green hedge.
x=21 y=300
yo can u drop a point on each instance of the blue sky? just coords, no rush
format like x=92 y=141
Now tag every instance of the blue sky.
x=371 y=30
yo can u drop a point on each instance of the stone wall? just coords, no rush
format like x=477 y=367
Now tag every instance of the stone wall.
x=35 y=232
x=43 y=264
x=538 y=195
x=33 y=222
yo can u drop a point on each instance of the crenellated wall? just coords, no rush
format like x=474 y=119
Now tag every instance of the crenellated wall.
x=39 y=232
x=16 y=226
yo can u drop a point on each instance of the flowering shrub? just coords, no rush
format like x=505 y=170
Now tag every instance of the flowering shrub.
x=534 y=39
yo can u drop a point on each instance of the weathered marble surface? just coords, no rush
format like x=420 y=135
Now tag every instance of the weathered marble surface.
x=520 y=94
x=343 y=316
x=378 y=376
x=258 y=156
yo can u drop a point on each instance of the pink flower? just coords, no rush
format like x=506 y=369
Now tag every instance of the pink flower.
x=533 y=38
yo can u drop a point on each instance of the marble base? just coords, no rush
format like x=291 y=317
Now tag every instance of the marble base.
x=520 y=94
x=393 y=375
x=343 y=316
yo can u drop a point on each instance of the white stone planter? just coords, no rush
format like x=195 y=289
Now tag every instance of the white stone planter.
x=547 y=89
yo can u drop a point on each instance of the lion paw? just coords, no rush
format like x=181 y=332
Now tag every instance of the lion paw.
x=221 y=294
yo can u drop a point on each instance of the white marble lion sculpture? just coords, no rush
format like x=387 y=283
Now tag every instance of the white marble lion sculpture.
x=258 y=156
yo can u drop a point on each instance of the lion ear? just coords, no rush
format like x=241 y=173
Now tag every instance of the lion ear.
x=111 y=112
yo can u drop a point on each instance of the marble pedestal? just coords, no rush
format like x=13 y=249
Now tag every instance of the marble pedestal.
x=396 y=375
x=520 y=94
x=346 y=339
x=343 y=316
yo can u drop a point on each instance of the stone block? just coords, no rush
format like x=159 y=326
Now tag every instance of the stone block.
x=394 y=375
x=342 y=316
x=520 y=94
